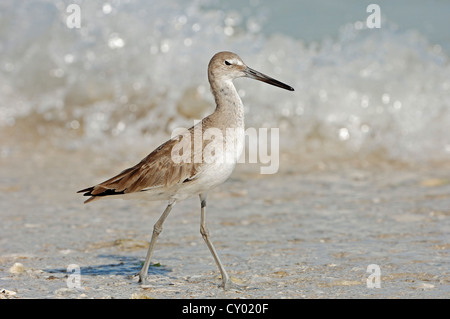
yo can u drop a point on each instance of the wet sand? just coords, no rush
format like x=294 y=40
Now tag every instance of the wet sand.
x=297 y=234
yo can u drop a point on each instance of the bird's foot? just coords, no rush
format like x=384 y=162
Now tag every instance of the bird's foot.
x=229 y=284
x=142 y=279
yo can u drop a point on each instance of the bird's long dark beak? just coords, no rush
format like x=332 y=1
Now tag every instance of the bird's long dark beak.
x=250 y=73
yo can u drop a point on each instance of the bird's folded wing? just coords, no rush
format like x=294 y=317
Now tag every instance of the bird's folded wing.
x=156 y=170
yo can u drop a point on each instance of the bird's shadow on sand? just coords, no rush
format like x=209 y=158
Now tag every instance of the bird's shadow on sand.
x=124 y=266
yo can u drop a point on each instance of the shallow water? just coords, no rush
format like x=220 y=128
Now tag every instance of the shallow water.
x=297 y=234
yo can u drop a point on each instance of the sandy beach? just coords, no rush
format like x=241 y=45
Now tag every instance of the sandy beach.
x=297 y=234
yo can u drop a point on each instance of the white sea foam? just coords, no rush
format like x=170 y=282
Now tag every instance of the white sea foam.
x=136 y=70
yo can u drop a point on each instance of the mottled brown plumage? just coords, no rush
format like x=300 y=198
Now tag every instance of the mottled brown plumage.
x=156 y=170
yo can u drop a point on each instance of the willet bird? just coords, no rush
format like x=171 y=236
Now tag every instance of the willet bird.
x=159 y=177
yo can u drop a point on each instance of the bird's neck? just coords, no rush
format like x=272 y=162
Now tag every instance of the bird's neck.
x=228 y=103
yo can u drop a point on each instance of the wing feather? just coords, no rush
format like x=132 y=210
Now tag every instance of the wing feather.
x=155 y=170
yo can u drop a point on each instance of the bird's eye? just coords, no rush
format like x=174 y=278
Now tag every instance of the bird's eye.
x=227 y=63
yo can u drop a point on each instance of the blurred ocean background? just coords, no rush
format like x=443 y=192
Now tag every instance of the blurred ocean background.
x=135 y=70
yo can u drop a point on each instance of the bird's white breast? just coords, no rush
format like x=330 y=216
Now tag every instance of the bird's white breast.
x=219 y=158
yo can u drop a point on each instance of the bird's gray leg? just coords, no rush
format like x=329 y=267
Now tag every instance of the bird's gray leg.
x=157 y=228
x=205 y=235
